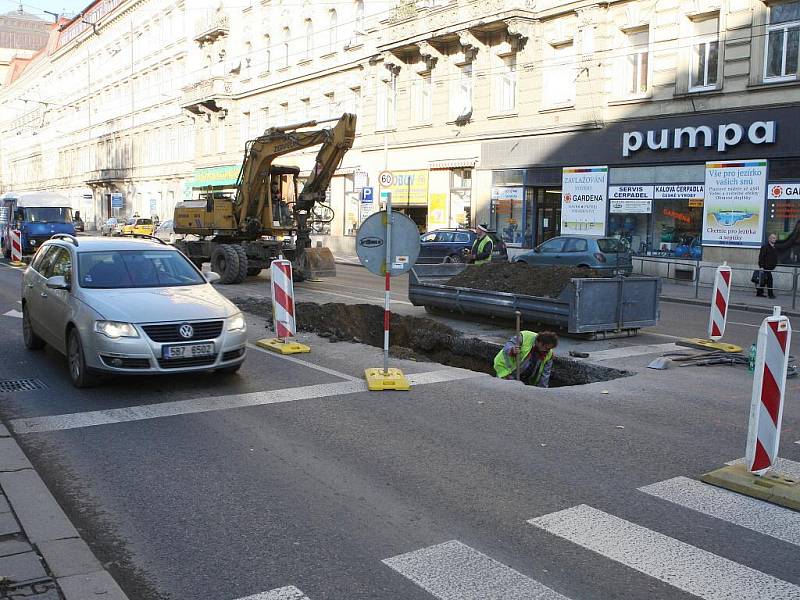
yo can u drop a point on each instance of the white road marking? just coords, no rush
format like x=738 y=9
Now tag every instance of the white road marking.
x=285 y=593
x=454 y=571
x=760 y=516
x=305 y=363
x=783 y=466
x=369 y=300
x=676 y=563
x=201 y=405
x=627 y=351
x=743 y=324
x=797 y=442
x=13 y=313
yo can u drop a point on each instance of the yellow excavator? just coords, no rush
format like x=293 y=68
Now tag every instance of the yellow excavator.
x=269 y=216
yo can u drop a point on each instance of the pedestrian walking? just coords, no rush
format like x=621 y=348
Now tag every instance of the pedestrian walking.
x=767 y=261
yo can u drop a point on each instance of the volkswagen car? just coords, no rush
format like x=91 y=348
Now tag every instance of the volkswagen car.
x=128 y=305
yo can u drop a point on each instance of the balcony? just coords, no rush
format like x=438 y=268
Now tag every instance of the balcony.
x=208 y=30
x=207 y=96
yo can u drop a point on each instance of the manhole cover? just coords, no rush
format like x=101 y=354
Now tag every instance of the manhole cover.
x=21 y=385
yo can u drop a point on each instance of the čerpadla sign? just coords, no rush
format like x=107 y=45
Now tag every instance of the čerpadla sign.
x=723 y=137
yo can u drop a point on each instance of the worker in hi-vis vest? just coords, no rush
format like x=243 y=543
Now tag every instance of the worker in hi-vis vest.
x=482 y=247
x=535 y=350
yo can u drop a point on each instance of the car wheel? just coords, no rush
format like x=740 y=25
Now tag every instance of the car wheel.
x=76 y=360
x=225 y=261
x=32 y=341
x=454 y=258
x=242 y=263
x=230 y=370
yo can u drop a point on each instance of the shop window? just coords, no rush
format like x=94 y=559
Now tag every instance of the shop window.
x=509 y=218
x=460 y=197
x=632 y=230
x=782 y=42
x=704 y=57
x=635 y=66
x=783 y=219
x=676 y=229
x=559 y=76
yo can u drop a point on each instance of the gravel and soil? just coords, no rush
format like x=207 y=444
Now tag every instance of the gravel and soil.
x=520 y=278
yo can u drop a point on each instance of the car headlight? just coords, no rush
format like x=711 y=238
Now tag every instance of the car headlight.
x=115 y=329
x=236 y=323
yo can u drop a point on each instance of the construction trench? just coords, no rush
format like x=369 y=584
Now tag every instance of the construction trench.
x=417 y=338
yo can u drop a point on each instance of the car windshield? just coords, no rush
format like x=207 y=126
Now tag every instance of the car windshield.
x=144 y=222
x=609 y=245
x=48 y=214
x=115 y=269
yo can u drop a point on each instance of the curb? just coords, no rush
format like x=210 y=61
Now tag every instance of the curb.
x=51 y=541
x=744 y=307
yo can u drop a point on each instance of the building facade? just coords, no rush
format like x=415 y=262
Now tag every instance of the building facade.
x=668 y=123
x=21 y=36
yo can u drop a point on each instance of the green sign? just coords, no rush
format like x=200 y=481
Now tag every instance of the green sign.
x=224 y=176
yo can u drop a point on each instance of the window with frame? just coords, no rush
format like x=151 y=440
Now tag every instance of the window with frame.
x=559 y=76
x=286 y=40
x=358 y=23
x=782 y=42
x=461 y=98
x=704 y=55
x=333 y=30
x=505 y=84
x=309 y=39
x=386 y=114
x=421 y=101
x=330 y=105
x=636 y=63
x=267 y=53
x=354 y=101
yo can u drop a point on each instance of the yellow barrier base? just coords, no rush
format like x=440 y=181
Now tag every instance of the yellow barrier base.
x=704 y=344
x=16 y=263
x=772 y=487
x=282 y=346
x=379 y=380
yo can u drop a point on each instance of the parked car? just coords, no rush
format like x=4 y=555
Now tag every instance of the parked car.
x=450 y=245
x=602 y=253
x=139 y=226
x=78 y=222
x=128 y=306
x=112 y=226
x=166 y=232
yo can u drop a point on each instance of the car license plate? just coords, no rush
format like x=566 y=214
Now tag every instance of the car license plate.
x=188 y=351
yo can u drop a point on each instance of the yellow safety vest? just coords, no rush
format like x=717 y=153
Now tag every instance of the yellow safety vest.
x=481 y=245
x=505 y=365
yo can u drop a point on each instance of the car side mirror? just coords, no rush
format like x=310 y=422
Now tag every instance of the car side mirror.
x=57 y=282
x=212 y=277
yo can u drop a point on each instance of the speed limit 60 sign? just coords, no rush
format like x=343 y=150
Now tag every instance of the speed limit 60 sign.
x=386 y=178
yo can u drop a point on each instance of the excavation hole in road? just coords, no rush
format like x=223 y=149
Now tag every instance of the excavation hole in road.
x=418 y=338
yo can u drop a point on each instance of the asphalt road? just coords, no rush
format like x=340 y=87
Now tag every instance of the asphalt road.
x=291 y=477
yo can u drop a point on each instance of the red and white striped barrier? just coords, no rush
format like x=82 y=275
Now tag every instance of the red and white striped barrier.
x=769 y=383
x=282 y=298
x=16 y=246
x=719 y=303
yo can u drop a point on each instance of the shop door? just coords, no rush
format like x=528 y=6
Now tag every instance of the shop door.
x=548 y=214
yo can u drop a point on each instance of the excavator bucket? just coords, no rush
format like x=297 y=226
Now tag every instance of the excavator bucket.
x=317 y=263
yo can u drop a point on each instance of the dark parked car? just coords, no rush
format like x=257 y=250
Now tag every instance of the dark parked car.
x=602 y=253
x=450 y=245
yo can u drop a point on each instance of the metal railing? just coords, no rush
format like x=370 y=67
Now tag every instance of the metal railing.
x=793 y=273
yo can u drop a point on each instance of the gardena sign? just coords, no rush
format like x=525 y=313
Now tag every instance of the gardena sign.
x=726 y=136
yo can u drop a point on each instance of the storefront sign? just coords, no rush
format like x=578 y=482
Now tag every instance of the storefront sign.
x=784 y=191
x=630 y=199
x=583 y=200
x=437 y=211
x=680 y=192
x=734 y=203
x=726 y=136
x=225 y=176
x=408 y=188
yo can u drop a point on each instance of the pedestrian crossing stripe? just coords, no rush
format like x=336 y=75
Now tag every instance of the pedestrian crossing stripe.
x=454 y=571
x=744 y=511
x=672 y=561
x=284 y=593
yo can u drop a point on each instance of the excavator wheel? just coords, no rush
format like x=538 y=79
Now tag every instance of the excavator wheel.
x=242 y=255
x=225 y=261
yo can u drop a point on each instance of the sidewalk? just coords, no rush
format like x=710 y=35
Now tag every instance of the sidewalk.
x=41 y=554
x=740 y=298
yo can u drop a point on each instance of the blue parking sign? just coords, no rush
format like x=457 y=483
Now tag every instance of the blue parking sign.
x=367 y=194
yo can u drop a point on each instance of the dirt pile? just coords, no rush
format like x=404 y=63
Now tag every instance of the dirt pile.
x=416 y=338
x=520 y=278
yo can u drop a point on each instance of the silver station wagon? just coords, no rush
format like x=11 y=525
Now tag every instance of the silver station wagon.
x=128 y=305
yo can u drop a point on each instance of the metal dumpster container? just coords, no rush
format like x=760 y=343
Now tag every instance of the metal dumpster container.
x=589 y=305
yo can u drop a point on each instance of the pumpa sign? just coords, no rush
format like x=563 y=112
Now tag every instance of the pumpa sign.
x=725 y=136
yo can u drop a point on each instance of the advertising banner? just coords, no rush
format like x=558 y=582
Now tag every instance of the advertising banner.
x=734 y=203
x=583 y=200
x=437 y=211
x=409 y=188
x=630 y=199
x=680 y=192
